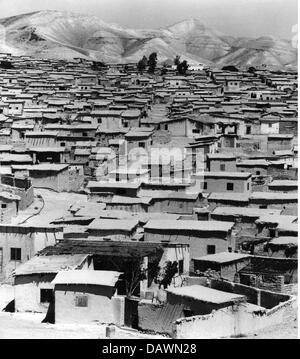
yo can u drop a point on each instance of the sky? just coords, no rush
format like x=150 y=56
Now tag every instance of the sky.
x=251 y=18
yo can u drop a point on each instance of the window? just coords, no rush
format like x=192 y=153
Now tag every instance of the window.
x=84 y=134
x=229 y=186
x=81 y=301
x=142 y=144
x=211 y=249
x=222 y=167
x=257 y=173
x=63 y=144
x=180 y=266
x=248 y=186
x=15 y=254
x=46 y=295
x=270 y=124
x=166 y=127
x=204 y=185
x=3 y=205
x=248 y=130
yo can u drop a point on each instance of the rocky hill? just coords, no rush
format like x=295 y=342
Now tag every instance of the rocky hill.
x=53 y=34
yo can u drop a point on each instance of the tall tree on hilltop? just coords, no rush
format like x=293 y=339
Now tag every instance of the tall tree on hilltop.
x=177 y=60
x=152 y=62
x=141 y=65
x=182 y=67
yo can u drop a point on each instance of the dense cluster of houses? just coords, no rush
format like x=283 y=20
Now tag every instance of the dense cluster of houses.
x=160 y=202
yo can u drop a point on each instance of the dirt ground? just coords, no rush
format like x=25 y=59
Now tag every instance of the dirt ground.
x=29 y=326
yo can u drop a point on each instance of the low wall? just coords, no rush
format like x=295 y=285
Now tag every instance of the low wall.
x=229 y=322
x=257 y=296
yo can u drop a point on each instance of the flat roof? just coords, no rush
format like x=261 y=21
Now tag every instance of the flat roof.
x=92 y=277
x=111 y=184
x=283 y=183
x=225 y=196
x=50 y=264
x=273 y=196
x=284 y=240
x=189 y=225
x=205 y=294
x=242 y=175
x=113 y=224
x=245 y=212
x=224 y=257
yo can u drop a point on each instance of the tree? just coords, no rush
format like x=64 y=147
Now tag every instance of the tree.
x=152 y=62
x=230 y=68
x=98 y=66
x=141 y=65
x=164 y=69
x=252 y=70
x=168 y=273
x=6 y=64
x=182 y=67
x=177 y=60
x=125 y=68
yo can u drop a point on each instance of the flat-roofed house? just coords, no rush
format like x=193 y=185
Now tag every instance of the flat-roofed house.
x=33 y=280
x=87 y=296
x=234 y=182
x=224 y=162
x=41 y=139
x=184 y=302
x=131 y=118
x=226 y=264
x=138 y=140
x=46 y=175
x=104 y=191
x=283 y=186
x=115 y=229
x=204 y=237
x=280 y=142
x=257 y=167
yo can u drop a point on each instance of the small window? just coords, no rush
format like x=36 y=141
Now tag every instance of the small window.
x=84 y=134
x=63 y=144
x=204 y=185
x=81 y=301
x=222 y=167
x=248 y=186
x=257 y=173
x=46 y=296
x=142 y=144
x=248 y=130
x=166 y=127
x=211 y=249
x=3 y=205
x=229 y=186
x=15 y=254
